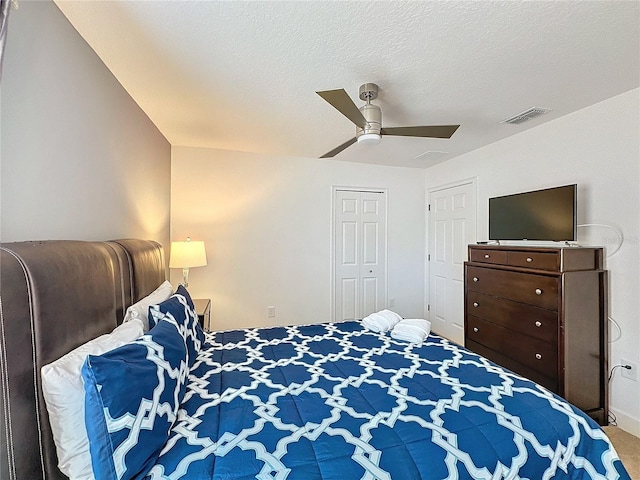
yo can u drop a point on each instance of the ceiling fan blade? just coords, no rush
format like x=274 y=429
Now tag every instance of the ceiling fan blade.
x=343 y=103
x=337 y=150
x=433 y=131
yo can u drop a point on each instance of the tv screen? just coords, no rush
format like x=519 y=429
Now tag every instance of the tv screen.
x=548 y=214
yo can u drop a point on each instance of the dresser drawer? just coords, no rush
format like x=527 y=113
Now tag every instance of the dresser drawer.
x=538 y=290
x=541 y=261
x=529 y=351
x=484 y=255
x=534 y=321
x=507 y=362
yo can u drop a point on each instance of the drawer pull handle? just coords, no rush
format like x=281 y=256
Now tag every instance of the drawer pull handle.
x=475 y=279
x=476 y=304
x=529 y=259
x=538 y=356
x=538 y=324
x=538 y=291
x=475 y=329
x=487 y=255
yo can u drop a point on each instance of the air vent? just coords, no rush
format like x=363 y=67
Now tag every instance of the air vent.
x=431 y=155
x=526 y=115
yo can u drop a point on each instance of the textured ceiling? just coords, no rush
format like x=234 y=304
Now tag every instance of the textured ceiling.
x=242 y=75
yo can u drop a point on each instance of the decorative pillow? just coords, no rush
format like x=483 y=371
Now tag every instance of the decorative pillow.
x=64 y=396
x=180 y=311
x=140 y=309
x=132 y=398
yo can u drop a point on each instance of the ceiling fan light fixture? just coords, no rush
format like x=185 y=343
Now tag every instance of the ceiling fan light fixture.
x=369 y=139
x=368 y=120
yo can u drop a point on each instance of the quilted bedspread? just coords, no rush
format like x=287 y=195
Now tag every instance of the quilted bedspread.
x=336 y=401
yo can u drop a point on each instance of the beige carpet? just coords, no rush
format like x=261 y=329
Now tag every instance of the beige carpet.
x=628 y=448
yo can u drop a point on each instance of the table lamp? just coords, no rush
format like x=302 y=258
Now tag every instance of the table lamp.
x=186 y=255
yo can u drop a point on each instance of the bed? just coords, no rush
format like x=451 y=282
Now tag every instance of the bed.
x=322 y=401
x=55 y=296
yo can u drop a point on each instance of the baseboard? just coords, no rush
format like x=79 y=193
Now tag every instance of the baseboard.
x=626 y=422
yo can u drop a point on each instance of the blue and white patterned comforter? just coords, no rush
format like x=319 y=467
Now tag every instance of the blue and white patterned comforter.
x=335 y=401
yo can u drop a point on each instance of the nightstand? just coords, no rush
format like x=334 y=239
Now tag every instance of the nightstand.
x=203 y=310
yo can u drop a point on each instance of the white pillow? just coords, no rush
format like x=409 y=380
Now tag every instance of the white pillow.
x=63 y=391
x=140 y=309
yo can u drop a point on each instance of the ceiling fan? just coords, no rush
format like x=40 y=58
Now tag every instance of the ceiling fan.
x=368 y=119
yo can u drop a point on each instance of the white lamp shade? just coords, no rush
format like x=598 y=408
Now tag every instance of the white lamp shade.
x=187 y=254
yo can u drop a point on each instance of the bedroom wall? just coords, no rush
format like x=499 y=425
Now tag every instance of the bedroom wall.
x=266 y=222
x=79 y=159
x=599 y=149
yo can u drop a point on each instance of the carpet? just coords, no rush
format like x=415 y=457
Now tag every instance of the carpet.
x=628 y=448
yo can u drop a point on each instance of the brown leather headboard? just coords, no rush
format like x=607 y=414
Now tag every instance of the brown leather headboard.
x=55 y=296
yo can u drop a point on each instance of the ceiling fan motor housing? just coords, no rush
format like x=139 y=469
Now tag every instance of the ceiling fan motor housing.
x=373 y=116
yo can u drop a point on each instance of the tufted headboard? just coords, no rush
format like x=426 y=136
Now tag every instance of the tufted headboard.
x=54 y=296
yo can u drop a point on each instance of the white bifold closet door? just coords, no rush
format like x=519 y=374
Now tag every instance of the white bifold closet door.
x=359 y=253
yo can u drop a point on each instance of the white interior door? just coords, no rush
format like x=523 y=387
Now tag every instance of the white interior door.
x=359 y=253
x=452 y=226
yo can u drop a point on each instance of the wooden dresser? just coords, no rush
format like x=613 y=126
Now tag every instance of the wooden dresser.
x=541 y=312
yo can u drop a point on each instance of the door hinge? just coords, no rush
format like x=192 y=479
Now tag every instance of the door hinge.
x=429 y=207
x=428 y=257
x=428 y=308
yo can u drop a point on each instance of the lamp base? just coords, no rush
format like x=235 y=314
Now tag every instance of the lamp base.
x=185 y=277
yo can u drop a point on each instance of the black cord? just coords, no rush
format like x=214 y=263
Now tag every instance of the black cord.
x=613 y=420
x=616 y=366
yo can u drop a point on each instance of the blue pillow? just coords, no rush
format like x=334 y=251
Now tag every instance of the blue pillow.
x=178 y=310
x=132 y=396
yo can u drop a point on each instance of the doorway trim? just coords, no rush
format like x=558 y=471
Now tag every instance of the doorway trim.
x=332 y=250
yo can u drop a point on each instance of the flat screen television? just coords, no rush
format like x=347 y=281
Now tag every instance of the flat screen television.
x=548 y=214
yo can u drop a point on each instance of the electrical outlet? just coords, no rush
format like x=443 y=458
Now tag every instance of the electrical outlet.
x=271 y=312
x=392 y=302
x=630 y=373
